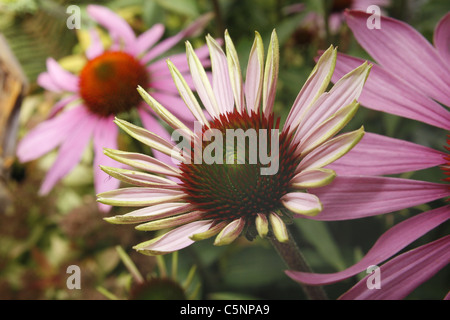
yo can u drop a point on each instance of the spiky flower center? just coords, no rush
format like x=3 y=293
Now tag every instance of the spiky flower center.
x=235 y=189
x=108 y=83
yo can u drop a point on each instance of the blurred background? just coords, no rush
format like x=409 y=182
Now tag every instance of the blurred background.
x=41 y=236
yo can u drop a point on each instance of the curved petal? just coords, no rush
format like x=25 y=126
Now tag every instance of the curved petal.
x=441 y=37
x=401 y=49
x=315 y=85
x=139 y=196
x=45 y=81
x=96 y=47
x=254 y=76
x=230 y=232
x=331 y=150
x=168 y=43
x=151 y=124
x=62 y=78
x=271 y=70
x=117 y=27
x=302 y=203
x=49 y=134
x=220 y=76
x=384 y=91
x=401 y=275
x=174 y=240
x=344 y=92
x=147 y=39
x=379 y=155
x=69 y=153
x=352 y=197
x=391 y=242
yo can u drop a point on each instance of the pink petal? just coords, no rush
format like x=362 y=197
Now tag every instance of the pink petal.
x=441 y=37
x=61 y=104
x=313 y=87
x=147 y=39
x=301 y=203
x=176 y=106
x=391 y=242
x=346 y=90
x=220 y=78
x=117 y=27
x=384 y=91
x=62 y=78
x=96 y=47
x=401 y=275
x=168 y=43
x=70 y=152
x=351 y=197
x=49 y=134
x=176 y=239
x=401 y=49
x=45 y=81
x=151 y=124
x=159 y=68
x=105 y=136
x=379 y=155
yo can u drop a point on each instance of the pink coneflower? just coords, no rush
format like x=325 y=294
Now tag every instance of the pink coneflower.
x=408 y=81
x=105 y=87
x=228 y=200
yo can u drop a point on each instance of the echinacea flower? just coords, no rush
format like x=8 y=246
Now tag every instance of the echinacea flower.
x=105 y=87
x=412 y=77
x=226 y=198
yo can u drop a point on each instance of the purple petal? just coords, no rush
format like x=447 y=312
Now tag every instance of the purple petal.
x=401 y=275
x=384 y=91
x=49 y=134
x=45 y=81
x=105 y=136
x=379 y=155
x=96 y=47
x=62 y=78
x=70 y=152
x=147 y=39
x=176 y=106
x=401 y=49
x=117 y=27
x=61 y=104
x=151 y=124
x=441 y=37
x=168 y=43
x=175 y=239
x=391 y=242
x=351 y=197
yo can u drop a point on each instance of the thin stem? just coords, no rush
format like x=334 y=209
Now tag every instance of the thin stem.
x=293 y=258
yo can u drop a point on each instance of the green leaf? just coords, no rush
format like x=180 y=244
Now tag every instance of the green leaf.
x=318 y=235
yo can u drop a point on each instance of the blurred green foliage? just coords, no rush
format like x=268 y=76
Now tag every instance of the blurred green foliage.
x=41 y=236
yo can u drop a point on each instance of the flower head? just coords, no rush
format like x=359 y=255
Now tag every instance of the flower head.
x=225 y=190
x=105 y=87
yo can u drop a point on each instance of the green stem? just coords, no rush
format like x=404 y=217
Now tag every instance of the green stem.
x=293 y=258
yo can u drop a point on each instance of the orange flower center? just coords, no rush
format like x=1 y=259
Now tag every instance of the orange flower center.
x=108 y=83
